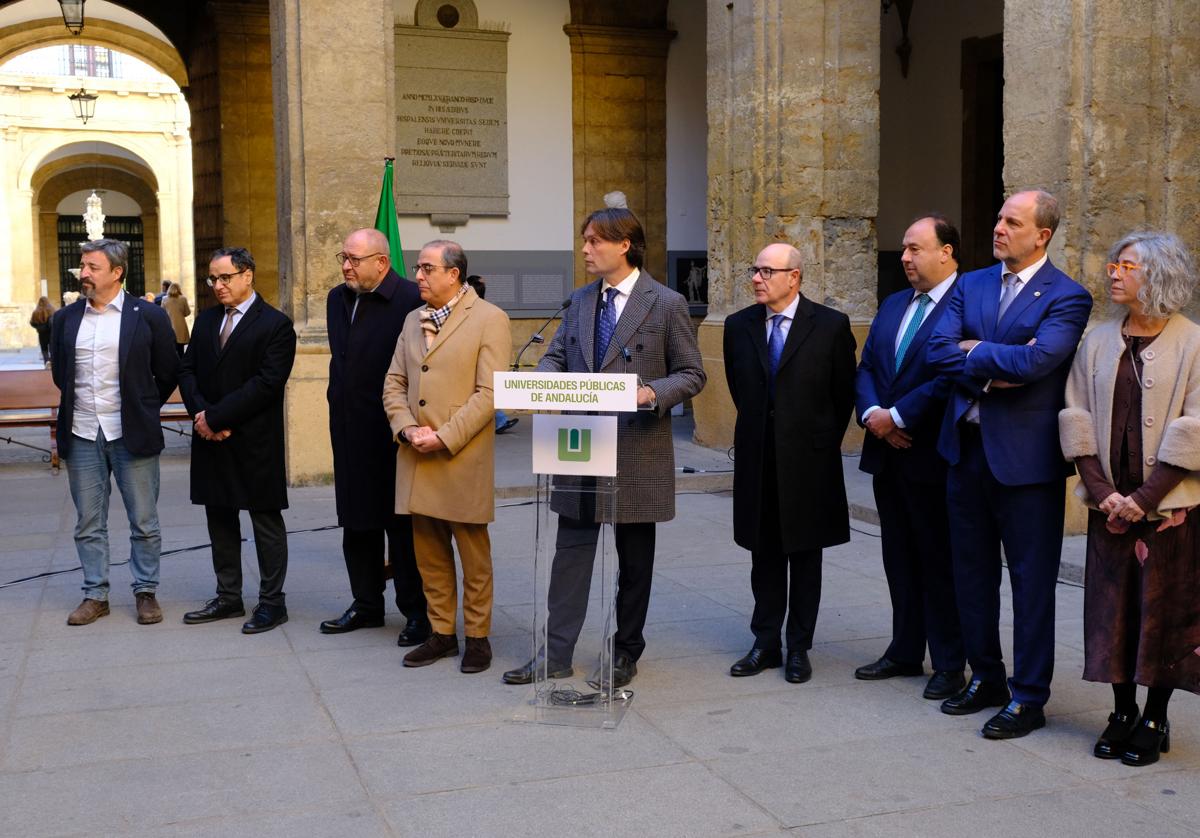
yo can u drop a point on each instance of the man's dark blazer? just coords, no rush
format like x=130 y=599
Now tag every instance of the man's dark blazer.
x=1019 y=424
x=814 y=393
x=240 y=388
x=916 y=390
x=364 y=452
x=147 y=371
x=655 y=340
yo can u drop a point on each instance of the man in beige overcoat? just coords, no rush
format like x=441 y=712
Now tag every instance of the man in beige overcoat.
x=438 y=399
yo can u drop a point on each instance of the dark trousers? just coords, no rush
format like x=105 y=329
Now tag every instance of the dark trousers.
x=571 y=581
x=364 y=552
x=776 y=591
x=1028 y=522
x=270 y=542
x=915 y=531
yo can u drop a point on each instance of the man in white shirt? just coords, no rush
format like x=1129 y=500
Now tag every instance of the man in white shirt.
x=900 y=401
x=115 y=363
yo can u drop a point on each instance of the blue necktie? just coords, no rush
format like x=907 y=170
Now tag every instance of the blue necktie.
x=775 y=347
x=1010 y=294
x=605 y=326
x=913 y=326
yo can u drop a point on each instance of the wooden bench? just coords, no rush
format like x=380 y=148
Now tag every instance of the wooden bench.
x=29 y=399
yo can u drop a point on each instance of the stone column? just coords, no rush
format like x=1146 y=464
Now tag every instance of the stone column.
x=793 y=156
x=619 y=115
x=1105 y=117
x=334 y=112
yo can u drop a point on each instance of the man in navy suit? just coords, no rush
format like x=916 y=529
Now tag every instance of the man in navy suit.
x=1007 y=340
x=900 y=400
x=113 y=358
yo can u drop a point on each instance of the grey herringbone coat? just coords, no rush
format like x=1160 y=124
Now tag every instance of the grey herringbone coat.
x=654 y=339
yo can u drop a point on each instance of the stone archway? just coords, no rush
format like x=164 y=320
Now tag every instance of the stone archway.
x=35 y=34
x=74 y=174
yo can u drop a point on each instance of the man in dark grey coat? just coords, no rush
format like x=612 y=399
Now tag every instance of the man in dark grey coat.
x=624 y=322
x=364 y=316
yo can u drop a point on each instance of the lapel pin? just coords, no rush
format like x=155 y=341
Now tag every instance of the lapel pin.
x=135 y=308
x=1037 y=293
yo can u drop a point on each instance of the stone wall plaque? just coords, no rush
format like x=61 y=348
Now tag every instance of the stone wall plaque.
x=451 y=119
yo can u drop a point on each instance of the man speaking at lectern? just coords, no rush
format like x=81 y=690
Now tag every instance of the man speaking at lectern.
x=625 y=322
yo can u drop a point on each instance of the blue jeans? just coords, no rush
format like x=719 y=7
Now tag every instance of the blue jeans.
x=91 y=465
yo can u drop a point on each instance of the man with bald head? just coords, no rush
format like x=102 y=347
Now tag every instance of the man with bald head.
x=789 y=363
x=1006 y=342
x=365 y=315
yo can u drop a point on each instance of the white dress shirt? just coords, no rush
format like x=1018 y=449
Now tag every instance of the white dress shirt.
x=241 y=309
x=935 y=296
x=97 y=371
x=624 y=289
x=785 y=325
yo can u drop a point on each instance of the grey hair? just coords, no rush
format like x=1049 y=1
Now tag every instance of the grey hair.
x=1168 y=272
x=452 y=255
x=117 y=253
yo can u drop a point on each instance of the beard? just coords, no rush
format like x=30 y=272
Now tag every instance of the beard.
x=87 y=290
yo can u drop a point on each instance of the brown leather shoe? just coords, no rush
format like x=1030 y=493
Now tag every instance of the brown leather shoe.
x=436 y=647
x=478 y=655
x=148 y=612
x=89 y=611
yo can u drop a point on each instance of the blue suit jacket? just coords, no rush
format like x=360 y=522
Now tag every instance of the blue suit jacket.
x=148 y=369
x=916 y=390
x=1019 y=424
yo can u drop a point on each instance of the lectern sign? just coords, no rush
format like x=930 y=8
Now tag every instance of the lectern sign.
x=570 y=391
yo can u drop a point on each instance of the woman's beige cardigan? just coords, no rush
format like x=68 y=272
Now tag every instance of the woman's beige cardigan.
x=1170 y=405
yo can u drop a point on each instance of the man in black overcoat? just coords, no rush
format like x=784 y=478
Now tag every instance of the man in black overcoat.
x=365 y=315
x=789 y=363
x=232 y=381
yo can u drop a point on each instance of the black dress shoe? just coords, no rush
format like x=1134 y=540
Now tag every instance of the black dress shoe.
x=885 y=667
x=352 y=620
x=798 y=669
x=944 y=685
x=624 y=668
x=976 y=696
x=1015 y=720
x=755 y=661
x=265 y=618
x=525 y=674
x=1149 y=739
x=1115 y=737
x=416 y=631
x=215 y=609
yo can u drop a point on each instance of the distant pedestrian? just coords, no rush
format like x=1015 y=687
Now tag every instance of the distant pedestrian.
x=40 y=321
x=177 y=308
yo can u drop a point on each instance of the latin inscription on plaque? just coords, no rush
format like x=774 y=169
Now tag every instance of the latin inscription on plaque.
x=451 y=122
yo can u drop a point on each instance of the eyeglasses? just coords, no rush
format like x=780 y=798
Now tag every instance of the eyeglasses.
x=766 y=272
x=426 y=268
x=1122 y=269
x=223 y=278
x=354 y=261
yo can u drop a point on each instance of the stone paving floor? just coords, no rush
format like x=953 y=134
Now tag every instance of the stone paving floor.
x=120 y=729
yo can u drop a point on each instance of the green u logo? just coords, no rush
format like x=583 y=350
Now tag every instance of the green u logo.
x=574 y=445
